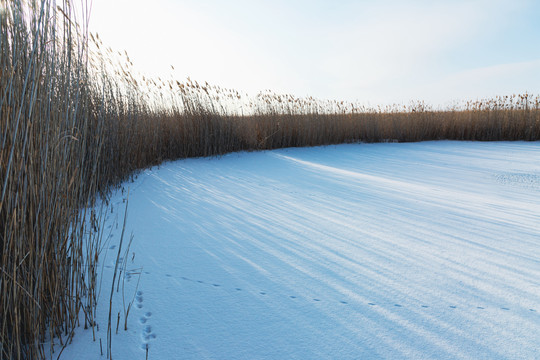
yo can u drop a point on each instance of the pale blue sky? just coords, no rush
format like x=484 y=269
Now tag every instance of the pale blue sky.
x=375 y=52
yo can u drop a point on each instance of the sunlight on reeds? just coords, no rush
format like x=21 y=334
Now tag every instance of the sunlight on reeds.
x=76 y=119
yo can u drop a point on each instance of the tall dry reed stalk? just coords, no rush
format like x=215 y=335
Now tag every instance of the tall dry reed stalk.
x=48 y=141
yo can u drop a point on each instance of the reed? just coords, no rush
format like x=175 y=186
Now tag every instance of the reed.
x=47 y=267
x=76 y=120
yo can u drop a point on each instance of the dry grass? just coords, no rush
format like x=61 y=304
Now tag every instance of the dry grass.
x=46 y=176
x=73 y=123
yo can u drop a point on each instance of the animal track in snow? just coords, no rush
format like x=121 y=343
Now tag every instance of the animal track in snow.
x=143 y=319
x=146 y=334
x=139 y=299
x=293 y=297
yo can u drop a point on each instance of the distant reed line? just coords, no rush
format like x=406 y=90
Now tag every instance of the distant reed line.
x=74 y=123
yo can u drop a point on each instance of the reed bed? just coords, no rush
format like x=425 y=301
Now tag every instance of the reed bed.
x=75 y=122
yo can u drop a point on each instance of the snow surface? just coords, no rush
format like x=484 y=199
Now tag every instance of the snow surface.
x=363 y=251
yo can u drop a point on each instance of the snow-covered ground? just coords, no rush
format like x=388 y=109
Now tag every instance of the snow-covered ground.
x=364 y=251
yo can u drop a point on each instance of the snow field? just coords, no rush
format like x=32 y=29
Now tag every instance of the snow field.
x=415 y=251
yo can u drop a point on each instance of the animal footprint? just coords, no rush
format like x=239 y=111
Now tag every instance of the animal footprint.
x=143 y=319
x=146 y=335
x=139 y=299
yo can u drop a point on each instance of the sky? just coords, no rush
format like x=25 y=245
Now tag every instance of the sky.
x=373 y=52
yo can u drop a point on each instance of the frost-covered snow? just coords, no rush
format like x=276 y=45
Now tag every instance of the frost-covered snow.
x=362 y=251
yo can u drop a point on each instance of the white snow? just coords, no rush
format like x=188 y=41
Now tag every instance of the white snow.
x=363 y=251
